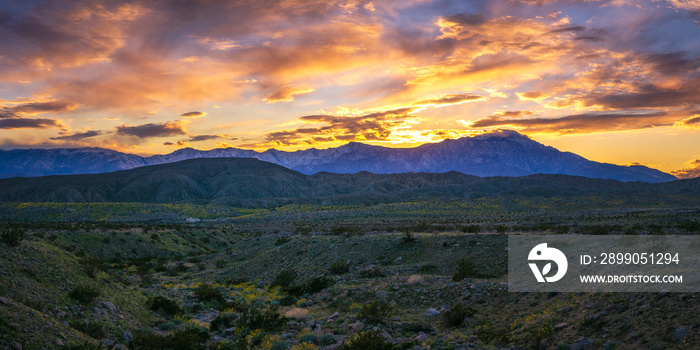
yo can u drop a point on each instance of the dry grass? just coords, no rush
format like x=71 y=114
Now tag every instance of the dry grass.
x=297 y=313
x=415 y=279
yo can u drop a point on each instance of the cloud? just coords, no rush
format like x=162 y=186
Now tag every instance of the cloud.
x=34 y=108
x=194 y=114
x=569 y=29
x=26 y=123
x=692 y=122
x=450 y=100
x=374 y=126
x=198 y=138
x=691 y=172
x=170 y=128
x=581 y=123
x=44 y=107
x=532 y=95
x=78 y=136
x=286 y=94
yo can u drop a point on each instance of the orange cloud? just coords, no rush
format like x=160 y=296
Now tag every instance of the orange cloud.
x=691 y=172
x=286 y=94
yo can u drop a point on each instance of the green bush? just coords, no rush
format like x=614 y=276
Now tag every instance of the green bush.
x=466 y=268
x=284 y=279
x=308 y=338
x=326 y=339
x=268 y=319
x=85 y=293
x=282 y=240
x=93 y=329
x=455 y=316
x=368 y=341
x=12 y=237
x=164 y=305
x=221 y=322
x=280 y=345
x=315 y=285
x=339 y=268
x=370 y=273
x=375 y=311
x=188 y=339
x=206 y=292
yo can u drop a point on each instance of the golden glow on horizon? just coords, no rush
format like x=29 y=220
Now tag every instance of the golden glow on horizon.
x=611 y=80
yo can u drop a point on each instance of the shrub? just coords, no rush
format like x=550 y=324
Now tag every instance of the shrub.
x=455 y=316
x=280 y=345
x=206 y=292
x=467 y=269
x=85 y=293
x=408 y=239
x=282 y=240
x=164 y=305
x=284 y=279
x=371 y=272
x=315 y=285
x=304 y=346
x=308 y=338
x=93 y=329
x=167 y=326
x=222 y=321
x=417 y=328
x=428 y=269
x=375 y=311
x=339 y=268
x=267 y=319
x=188 y=339
x=471 y=228
x=368 y=341
x=326 y=339
x=12 y=237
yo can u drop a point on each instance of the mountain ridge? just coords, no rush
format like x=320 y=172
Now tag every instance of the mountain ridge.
x=248 y=182
x=503 y=153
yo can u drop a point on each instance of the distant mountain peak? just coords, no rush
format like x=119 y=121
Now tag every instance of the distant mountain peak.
x=497 y=153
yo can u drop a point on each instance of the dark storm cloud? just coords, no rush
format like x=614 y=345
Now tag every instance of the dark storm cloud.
x=78 y=136
x=153 y=129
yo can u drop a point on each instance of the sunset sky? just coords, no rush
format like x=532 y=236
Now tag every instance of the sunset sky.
x=614 y=81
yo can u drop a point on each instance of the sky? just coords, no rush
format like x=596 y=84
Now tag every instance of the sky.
x=615 y=81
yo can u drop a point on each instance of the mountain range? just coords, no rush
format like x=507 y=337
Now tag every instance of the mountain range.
x=503 y=153
x=245 y=182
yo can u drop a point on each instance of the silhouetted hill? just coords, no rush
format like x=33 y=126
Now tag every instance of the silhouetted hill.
x=254 y=183
x=504 y=153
